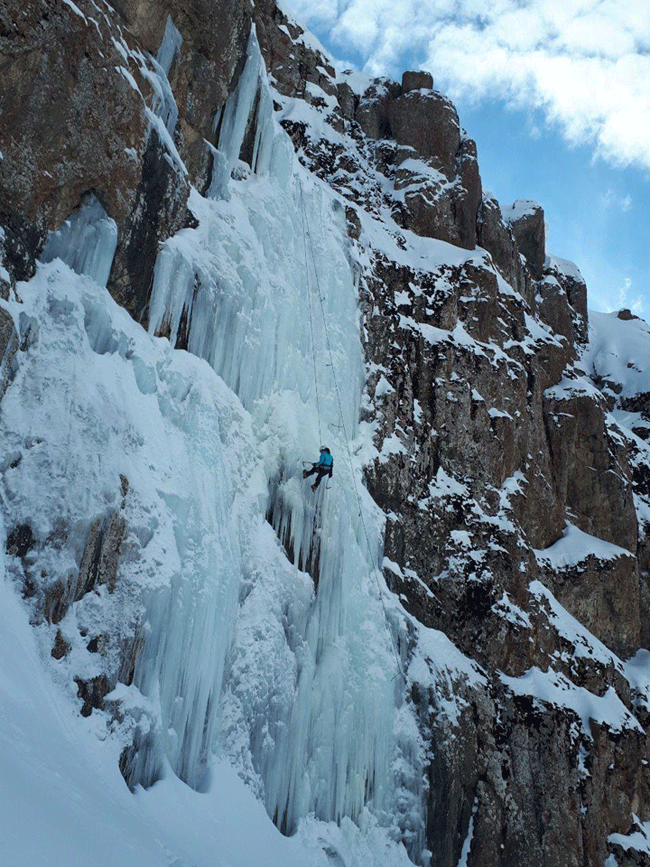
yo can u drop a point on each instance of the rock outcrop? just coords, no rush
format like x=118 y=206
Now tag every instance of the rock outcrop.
x=526 y=219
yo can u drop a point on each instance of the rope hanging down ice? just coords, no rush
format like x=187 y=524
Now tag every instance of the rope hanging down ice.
x=307 y=234
x=311 y=315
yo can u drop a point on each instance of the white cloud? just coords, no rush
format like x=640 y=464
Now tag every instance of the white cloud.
x=636 y=304
x=584 y=63
x=611 y=200
x=624 y=291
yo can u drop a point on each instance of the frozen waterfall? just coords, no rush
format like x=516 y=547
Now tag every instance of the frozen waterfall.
x=247 y=618
x=262 y=292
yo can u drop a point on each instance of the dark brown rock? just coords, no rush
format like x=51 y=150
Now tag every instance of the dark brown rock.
x=291 y=61
x=553 y=308
x=526 y=220
x=92 y=693
x=53 y=88
x=347 y=100
x=495 y=236
x=159 y=210
x=353 y=223
x=100 y=559
x=428 y=123
x=431 y=206
x=563 y=303
x=20 y=541
x=416 y=80
x=372 y=113
x=591 y=474
x=9 y=344
x=467 y=196
x=604 y=597
x=61 y=647
x=57 y=599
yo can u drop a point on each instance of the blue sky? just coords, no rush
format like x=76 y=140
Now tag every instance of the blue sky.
x=597 y=215
x=556 y=94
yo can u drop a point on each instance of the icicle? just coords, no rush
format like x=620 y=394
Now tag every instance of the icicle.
x=218 y=188
x=188 y=636
x=163 y=113
x=239 y=105
x=264 y=133
x=169 y=47
x=86 y=241
x=188 y=620
x=252 y=91
x=250 y=306
x=164 y=105
x=174 y=278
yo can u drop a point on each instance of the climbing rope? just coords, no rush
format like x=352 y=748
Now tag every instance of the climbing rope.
x=311 y=322
x=307 y=234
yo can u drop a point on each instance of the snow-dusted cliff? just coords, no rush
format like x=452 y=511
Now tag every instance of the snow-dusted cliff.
x=226 y=253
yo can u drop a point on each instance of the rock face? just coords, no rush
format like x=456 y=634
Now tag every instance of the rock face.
x=526 y=219
x=428 y=124
x=47 y=165
x=495 y=235
x=55 y=86
x=516 y=500
x=563 y=300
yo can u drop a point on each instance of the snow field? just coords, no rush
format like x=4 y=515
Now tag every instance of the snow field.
x=618 y=353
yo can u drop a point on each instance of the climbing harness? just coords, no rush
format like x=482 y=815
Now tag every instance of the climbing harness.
x=327 y=485
x=307 y=234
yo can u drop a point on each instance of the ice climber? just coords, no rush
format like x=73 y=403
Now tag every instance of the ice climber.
x=324 y=467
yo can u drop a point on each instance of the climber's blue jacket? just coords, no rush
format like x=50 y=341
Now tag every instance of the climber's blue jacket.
x=326 y=460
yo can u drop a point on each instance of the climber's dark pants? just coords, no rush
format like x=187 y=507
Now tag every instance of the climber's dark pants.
x=322 y=472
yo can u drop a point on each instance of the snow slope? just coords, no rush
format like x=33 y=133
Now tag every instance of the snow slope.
x=618 y=352
x=64 y=800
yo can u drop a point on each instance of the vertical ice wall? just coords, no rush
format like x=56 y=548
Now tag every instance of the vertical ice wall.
x=251 y=93
x=245 y=280
x=190 y=615
x=86 y=241
x=264 y=290
x=107 y=427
